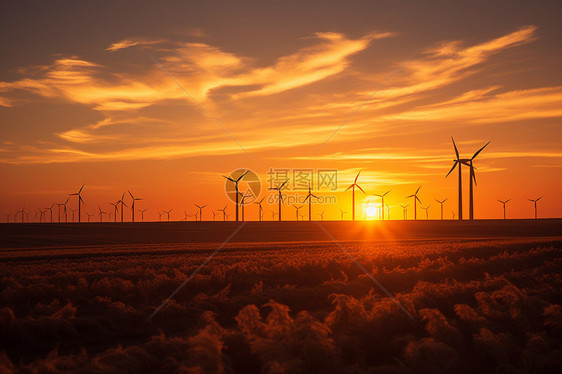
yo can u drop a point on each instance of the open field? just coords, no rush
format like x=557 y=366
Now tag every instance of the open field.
x=481 y=296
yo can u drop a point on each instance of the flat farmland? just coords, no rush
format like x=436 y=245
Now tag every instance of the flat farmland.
x=281 y=297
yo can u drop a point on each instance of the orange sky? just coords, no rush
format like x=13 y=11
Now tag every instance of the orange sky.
x=108 y=98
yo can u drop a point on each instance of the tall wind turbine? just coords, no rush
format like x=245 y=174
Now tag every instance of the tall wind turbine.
x=122 y=202
x=469 y=163
x=168 y=213
x=223 y=210
x=382 y=202
x=101 y=213
x=236 y=181
x=260 y=211
x=352 y=186
x=278 y=189
x=133 y=206
x=405 y=211
x=441 y=202
x=416 y=199
x=243 y=203
x=159 y=215
x=457 y=162
x=535 y=202
x=297 y=209
x=309 y=198
x=503 y=202
x=201 y=211
x=142 y=213
x=65 y=211
x=80 y=201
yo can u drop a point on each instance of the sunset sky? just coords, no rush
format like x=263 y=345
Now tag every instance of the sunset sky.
x=122 y=97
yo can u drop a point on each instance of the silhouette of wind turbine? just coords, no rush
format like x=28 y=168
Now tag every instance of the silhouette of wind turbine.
x=236 y=181
x=223 y=210
x=243 y=203
x=51 y=211
x=280 y=199
x=321 y=215
x=115 y=205
x=469 y=163
x=133 y=205
x=416 y=199
x=101 y=213
x=297 y=209
x=65 y=210
x=454 y=214
x=382 y=201
x=142 y=213
x=405 y=211
x=426 y=211
x=260 y=210
x=273 y=214
x=535 y=202
x=80 y=201
x=457 y=162
x=352 y=186
x=503 y=203
x=309 y=198
x=89 y=216
x=441 y=202
x=214 y=214
x=342 y=213
x=159 y=216
x=168 y=213
x=200 y=211
x=122 y=204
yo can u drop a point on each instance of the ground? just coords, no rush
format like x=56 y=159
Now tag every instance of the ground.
x=458 y=297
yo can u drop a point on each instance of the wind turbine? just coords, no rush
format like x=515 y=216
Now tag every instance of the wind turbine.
x=22 y=211
x=142 y=213
x=185 y=215
x=115 y=205
x=159 y=216
x=321 y=215
x=89 y=216
x=535 y=202
x=503 y=203
x=426 y=211
x=260 y=211
x=223 y=210
x=454 y=214
x=122 y=204
x=133 y=205
x=441 y=202
x=51 y=211
x=342 y=213
x=243 y=203
x=388 y=207
x=382 y=201
x=297 y=208
x=457 y=162
x=42 y=212
x=405 y=211
x=65 y=211
x=280 y=199
x=352 y=186
x=101 y=213
x=214 y=214
x=80 y=201
x=469 y=163
x=168 y=213
x=236 y=181
x=416 y=199
x=273 y=214
x=200 y=211
x=73 y=211
x=309 y=198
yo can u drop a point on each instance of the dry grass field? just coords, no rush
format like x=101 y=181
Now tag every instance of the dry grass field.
x=472 y=304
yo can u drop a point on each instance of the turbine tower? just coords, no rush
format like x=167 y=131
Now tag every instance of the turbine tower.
x=352 y=186
x=382 y=202
x=535 y=202
x=236 y=181
x=200 y=211
x=122 y=204
x=133 y=206
x=441 y=202
x=115 y=205
x=168 y=213
x=80 y=201
x=426 y=211
x=342 y=213
x=457 y=162
x=142 y=213
x=503 y=202
x=405 y=211
x=280 y=199
x=309 y=198
x=260 y=211
x=469 y=163
x=297 y=208
x=223 y=210
x=416 y=199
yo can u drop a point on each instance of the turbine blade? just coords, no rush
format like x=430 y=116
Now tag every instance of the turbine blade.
x=418 y=190
x=508 y=200
x=80 y=190
x=132 y=197
x=349 y=187
x=358 y=186
x=480 y=150
x=456 y=150
x=539 y=198
x=357 y=176
x=453 y=168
